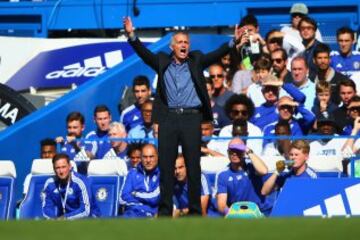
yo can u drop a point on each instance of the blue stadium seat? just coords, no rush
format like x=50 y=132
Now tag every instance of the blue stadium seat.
x=210 y=166
x=106 y=178
x=30 y=207
x=7 y=182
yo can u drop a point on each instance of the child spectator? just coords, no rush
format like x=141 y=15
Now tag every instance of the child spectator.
x=323 y=106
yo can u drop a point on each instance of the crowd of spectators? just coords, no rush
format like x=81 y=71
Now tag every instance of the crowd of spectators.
x=287 y=83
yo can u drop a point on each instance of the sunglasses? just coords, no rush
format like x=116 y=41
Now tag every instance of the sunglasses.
x=277 y=60
x=237 y=112
x=353 y=109
x=293 y=15
x=237 y=152
x=307 y=28
x=273 y=89
x=286 y=107
x=212 y=76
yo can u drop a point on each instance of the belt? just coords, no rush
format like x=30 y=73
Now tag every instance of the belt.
x=184 y=110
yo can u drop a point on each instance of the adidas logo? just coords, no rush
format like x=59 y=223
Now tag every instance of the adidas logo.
x=335 y=205
x=338 y=65
x=92 y=67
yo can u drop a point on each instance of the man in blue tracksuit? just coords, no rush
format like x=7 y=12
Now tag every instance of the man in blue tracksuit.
x=140 y=193
x=181 y=200
x=67 y=195
x=266 y=113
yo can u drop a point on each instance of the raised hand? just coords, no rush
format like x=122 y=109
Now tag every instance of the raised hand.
x=128 y=26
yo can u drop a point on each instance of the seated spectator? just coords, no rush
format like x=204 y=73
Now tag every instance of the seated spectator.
x=280 y=61
x=346 y=61
x=67 y=195
x=134 y=154
x=241 y=107
x=219 y=116
x=353 y=112
x=181 y=201
x=47 y=150
x=208 y=146
x=307 y=29
x=131 y=116
x=266 y=112
x=323 y=106
x=217 y=75
x=242 y=180
x=299 y=71
x=327 y=146
x=280 y=147
x=297 y=12
x=347 y=89
x=77 y=150
x=99 y=137
x=325 y=73
x=140 y=193
x=118 y=147
x=299 y=153
x=144 y=130
x=287 y=109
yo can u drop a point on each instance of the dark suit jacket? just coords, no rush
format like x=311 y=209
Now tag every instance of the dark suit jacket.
x=197 y=63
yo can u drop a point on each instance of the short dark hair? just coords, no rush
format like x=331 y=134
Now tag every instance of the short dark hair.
x=75 y=116
x=355 y=98
x=284 y=55
x=300 y=58
x=133 y=147
x=283 y=123
x=344 y=30
x=321 y=48
x=308 y=20
x=347 y=83
x=59 y=156
x=249 y=20
x=101 y=108
x=48 y=142
x=141 y=80
x=262 y=63
x=239 y=99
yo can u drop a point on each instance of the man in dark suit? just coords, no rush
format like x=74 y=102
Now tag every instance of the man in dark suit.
x=181 y=103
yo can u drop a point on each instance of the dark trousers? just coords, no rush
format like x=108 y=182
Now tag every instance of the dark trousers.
x=174 y=130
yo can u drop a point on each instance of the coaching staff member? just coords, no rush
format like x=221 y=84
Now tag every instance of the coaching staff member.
x=181 y=103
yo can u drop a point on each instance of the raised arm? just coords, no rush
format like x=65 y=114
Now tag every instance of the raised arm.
x=145 y=54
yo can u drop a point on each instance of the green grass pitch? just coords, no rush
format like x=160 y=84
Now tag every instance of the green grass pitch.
x=186 y=228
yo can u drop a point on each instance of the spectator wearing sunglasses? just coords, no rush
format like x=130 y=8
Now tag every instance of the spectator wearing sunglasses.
x=217 y=75
x=287 y=109
x=297 y=12
x=240 y=107
x=271 y=86
x=279 y=59
x=241 y=181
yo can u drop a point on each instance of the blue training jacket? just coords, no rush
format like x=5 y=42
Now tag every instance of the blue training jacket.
x=140 y=193
x=78 y=199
